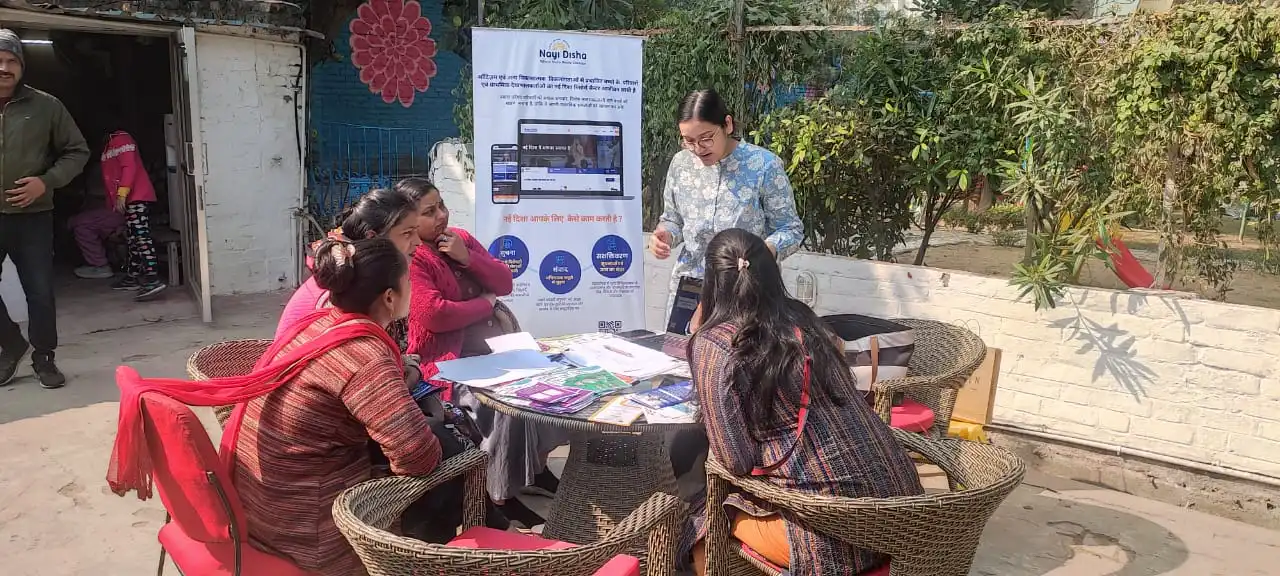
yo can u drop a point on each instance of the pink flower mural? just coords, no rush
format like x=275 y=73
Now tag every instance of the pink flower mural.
x=390 y=48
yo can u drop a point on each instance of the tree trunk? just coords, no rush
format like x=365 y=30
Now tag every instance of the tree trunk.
x=1031 y=218
x=924 y=243
x=988 y=196
x=1168 y=198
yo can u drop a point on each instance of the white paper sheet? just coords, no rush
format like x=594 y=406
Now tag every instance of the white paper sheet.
x=509 y=342
x=621 y=357
x=494 y=369
x=684 y=413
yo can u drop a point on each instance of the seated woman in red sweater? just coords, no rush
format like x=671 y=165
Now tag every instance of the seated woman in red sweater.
x=456 y=285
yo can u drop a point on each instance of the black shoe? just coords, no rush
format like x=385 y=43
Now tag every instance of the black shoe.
x=149 y=290
x=10 y=358
x=126 y=283
x=515 y=510
x=48 y=373
x=544 y=484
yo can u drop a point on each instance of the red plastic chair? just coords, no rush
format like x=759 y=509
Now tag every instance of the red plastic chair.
x=204 y=530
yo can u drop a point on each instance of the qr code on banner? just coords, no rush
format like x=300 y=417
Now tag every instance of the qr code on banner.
x=609 y=326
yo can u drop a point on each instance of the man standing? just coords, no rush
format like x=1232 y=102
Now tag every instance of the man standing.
x=41 y=150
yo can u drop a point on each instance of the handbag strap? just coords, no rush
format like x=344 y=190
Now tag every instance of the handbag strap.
x=802 y=419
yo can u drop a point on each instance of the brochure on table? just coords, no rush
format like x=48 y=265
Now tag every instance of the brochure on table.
x=557 y=149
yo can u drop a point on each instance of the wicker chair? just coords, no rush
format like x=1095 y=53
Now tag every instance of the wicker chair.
x=930 y=535
x=944 y=358
x=230 y=358
x=365 y=512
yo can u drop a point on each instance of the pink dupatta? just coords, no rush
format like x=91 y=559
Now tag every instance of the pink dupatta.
x=131 y=465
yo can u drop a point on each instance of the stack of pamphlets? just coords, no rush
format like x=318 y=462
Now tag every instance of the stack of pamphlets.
x=562 y=390
x=590 y=378
x=670 y=404
x=545 y=397
x=620 y=412
x=664 y=396
x=683 y=413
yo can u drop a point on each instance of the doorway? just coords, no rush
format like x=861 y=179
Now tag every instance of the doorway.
x=133 y=81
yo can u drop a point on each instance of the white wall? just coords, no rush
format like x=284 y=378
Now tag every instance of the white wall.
x=452 y=171
x=1160 y=372
x=251 y=116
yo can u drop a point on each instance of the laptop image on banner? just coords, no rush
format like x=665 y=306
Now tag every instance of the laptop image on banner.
x=565 y=159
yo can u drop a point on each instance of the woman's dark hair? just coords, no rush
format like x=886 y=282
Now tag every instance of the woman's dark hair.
x=356 y=274
x=375 y=213
x=416 y=188
x=704 y=106
x=743 y=287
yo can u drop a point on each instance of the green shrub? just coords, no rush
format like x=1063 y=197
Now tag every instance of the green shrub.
x=959 y=217
x=1007 y=237
x=1004 y=217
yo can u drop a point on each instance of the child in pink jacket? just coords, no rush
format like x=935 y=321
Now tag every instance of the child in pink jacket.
x=129 y=192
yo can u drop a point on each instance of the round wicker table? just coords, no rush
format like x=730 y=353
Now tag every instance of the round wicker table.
x=610 y=472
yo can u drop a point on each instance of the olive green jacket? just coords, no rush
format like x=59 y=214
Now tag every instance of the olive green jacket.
x=38 y=137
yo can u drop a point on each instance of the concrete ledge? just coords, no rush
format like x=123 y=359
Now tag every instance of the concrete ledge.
x=1241 y=500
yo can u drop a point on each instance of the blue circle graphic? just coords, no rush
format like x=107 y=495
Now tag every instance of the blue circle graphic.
x=611 y=256
x=511 y=251
x=560 y=272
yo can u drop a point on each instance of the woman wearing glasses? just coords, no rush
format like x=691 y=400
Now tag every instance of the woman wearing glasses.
x=718 y=182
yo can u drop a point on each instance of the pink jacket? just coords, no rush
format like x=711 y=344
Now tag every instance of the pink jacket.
x=122 y=166
x=437 y=312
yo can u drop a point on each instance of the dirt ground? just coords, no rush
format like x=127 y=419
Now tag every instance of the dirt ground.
x=1249 y=287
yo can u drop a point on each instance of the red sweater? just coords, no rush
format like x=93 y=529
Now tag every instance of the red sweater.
x=437 y=313
x=122 y=167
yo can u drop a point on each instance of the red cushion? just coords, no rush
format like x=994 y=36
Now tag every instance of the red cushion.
x=182 y=456
x=911 y=416
x=491 y=539
x=621 y=565
x=196 y=558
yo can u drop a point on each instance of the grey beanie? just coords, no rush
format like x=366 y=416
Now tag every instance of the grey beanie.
x=10 y=42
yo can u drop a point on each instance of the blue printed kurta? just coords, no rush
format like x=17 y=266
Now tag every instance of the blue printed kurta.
x=748 y=189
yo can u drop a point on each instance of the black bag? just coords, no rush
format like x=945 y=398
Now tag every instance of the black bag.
x=874 y=348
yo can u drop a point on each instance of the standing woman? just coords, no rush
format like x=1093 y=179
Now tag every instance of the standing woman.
x=718 y=182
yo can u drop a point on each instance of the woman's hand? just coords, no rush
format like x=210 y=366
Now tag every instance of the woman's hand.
x=452 y=246
x=433 y=409
x=661 y=244
x=491 y=298
x=412 y=376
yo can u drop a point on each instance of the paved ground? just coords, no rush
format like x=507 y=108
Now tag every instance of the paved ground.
x=58 y=518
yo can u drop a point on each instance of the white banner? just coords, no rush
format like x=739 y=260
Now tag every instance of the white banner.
x=557 y=149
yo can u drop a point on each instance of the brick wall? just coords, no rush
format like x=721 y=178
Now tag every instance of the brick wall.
x=337 y=95
x=1164 y=373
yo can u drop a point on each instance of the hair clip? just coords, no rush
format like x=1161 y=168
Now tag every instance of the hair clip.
x=743 y=264
x=342 y=252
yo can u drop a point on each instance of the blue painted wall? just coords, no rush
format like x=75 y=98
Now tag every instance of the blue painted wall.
x=355 y=136
x=337 y=95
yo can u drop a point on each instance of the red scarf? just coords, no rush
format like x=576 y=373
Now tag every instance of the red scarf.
x=130 y=467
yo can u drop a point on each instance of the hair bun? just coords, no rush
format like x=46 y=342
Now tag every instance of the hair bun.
x=335 y=264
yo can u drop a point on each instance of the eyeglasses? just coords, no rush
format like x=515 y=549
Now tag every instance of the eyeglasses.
x=702 y=143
